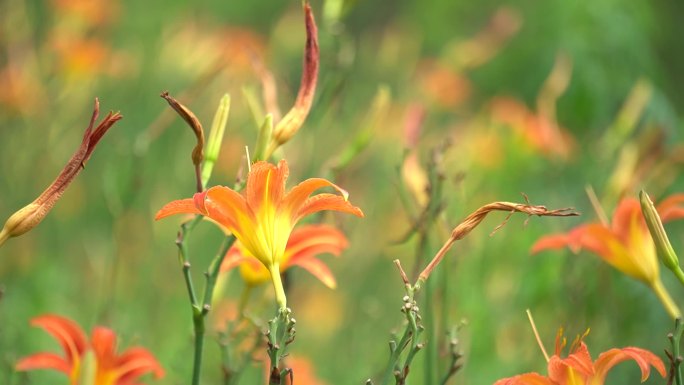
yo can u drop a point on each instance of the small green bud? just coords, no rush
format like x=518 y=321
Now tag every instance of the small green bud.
x=218 y=128
x=655 y=227
x=264 y=138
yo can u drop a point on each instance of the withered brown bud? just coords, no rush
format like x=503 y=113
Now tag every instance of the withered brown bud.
x=196 y=126
x=32 y=214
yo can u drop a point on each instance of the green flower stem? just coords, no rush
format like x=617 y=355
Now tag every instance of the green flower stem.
x=280 y=334
x=199 y=312
x=666 y=300
x=675 y=339
x=679 y=274
x=281 y=299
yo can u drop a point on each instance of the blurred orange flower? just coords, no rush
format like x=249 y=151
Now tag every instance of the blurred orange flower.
x=111 y=369
x=304 y=245
x=263 y=217
x=579 y=369
x=625 y=244
x=538 y=130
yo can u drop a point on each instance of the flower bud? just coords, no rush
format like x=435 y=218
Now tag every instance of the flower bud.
x=293 y=120
x=655 y=227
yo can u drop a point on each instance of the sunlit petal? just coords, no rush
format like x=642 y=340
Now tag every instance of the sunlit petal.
x=330 y=202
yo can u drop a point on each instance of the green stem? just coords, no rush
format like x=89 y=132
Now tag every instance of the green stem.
x=679 y=274
x=281 y=299
x=198 y=325
x=394 y=357
x=666 y=300
x=675 y=339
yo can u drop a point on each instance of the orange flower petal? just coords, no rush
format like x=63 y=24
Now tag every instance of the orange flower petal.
x=183 y=206
x=309 y=241
x=266 y=184
x=301 y=192
x=227 y=207
x=135 y=362
x=66 y=332
x=44 y=361
x=233 y=258
x=642 y=357
x=318 y=269
x=550 y=242
x=669 y=208
x=103 y=342
x=526 y=379
x=623 y=218
x=330 y=202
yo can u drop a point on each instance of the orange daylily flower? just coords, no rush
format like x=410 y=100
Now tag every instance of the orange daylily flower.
x=304 y=245
x=579 y=369
x=111 y=368
x=262 y=218
x=625 y=243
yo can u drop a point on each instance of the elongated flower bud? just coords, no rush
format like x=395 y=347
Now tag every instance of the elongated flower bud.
x=31 y=215
x=655 y=227
x=293 y=120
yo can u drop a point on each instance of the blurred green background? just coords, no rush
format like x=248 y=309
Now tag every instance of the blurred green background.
x=543 y=98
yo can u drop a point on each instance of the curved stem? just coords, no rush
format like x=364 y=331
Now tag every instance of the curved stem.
x=679 y=274
x=666 y=300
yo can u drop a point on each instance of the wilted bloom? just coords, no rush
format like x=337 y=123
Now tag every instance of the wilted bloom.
x=263 y=217
x=305 y=243
x=110 y=368
x=579 y=369
x=625 y=243
x=31 y=215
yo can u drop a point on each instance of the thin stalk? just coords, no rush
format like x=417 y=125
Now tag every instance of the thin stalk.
x=679 y=274
x=394 y=357
x=675 y=339
x=667 y=301
x=199 y=315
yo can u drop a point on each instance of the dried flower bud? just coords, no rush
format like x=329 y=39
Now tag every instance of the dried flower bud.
x=294 y=119
x=31 y=215
x=196 y=126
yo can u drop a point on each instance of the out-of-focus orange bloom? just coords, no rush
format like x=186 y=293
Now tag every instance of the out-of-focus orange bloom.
x=538 y=130
x=579 y=369
x=111 y=368
x=303 y=371
x=624 y=244
x=304 y=245
x=263 y=217
x=89 y=12
x=83 y=57
x=443 y=86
